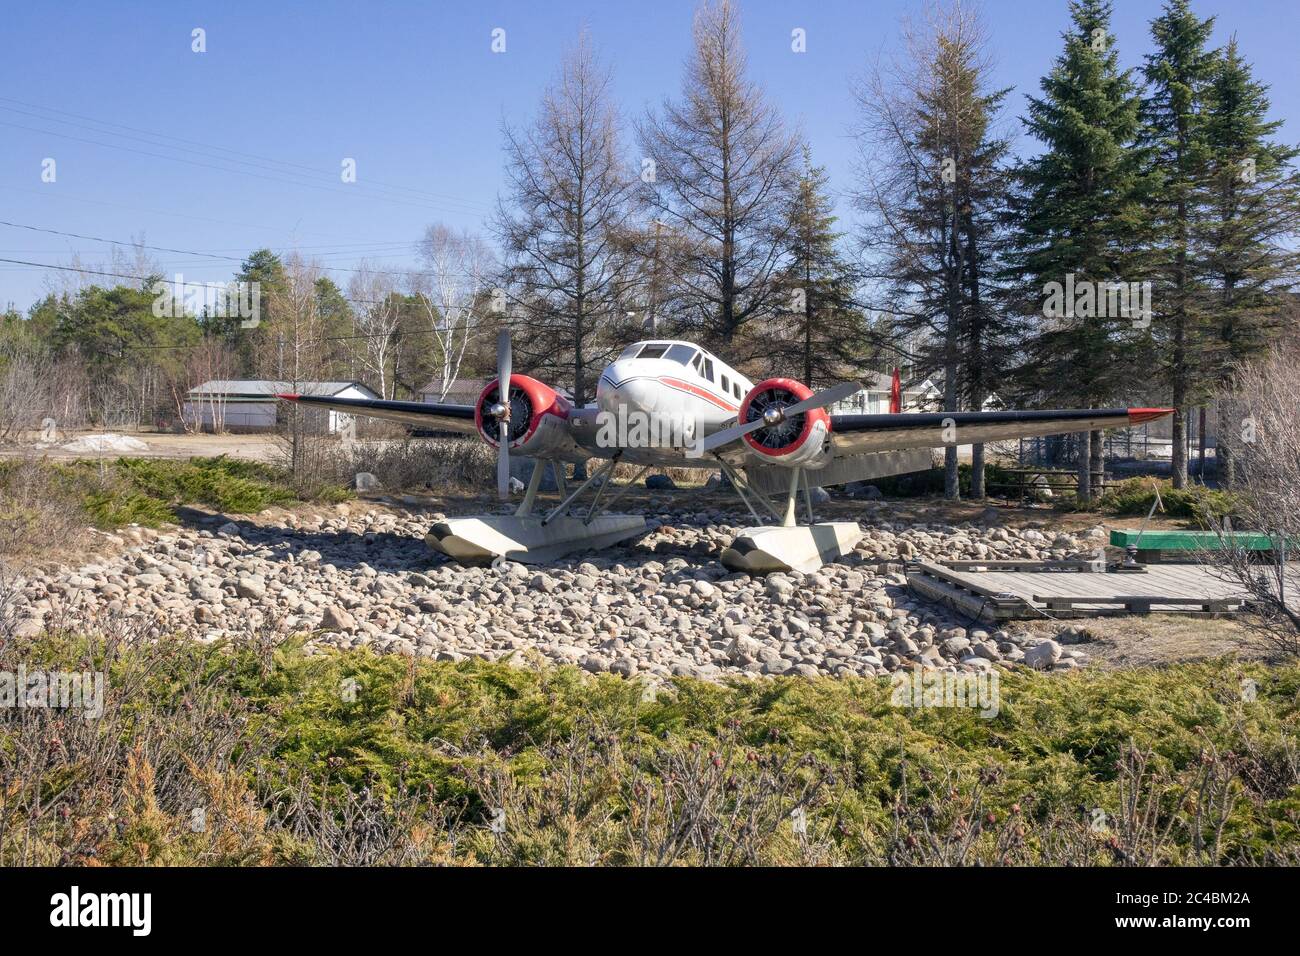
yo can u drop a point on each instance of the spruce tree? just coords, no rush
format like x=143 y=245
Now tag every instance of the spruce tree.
x=1251 y=199
x=1177 y=73
x=1079 y=212
x=825 y=337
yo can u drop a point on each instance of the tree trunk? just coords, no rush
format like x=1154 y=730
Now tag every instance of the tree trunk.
x=977 y=471
x=1228 y=429
x=1097 y=461
x=1083 y=442
x=1178 y=431
x=951 y=476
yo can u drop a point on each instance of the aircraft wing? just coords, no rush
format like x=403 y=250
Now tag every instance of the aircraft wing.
x=456 y=418
x=853 y=435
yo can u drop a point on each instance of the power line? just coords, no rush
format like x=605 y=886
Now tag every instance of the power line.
x=333 y=189
x=169 y=141
x=192 y=252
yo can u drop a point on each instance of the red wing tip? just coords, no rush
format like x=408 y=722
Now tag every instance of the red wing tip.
x=287 y=396
x=1138 y=415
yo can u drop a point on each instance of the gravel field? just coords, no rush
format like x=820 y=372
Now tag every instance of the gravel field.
x=355 y=575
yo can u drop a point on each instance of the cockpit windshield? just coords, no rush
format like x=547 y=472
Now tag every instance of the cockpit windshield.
x=681 y=354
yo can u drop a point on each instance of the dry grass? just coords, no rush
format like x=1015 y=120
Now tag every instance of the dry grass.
x=38 y=511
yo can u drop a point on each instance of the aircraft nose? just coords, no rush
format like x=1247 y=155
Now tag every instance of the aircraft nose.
x=625 y=384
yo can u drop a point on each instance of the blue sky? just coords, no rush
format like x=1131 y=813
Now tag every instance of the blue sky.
x=413 y=93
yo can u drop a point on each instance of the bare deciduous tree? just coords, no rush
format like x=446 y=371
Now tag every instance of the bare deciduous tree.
x=448 y=290
x=1268 y=469
x=378 y=310
x=563 y=232
x=725 y=169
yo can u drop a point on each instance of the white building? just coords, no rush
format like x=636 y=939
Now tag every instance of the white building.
x=251 y=405
x=874 y=399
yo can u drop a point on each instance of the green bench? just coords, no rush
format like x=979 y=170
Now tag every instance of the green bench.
x=1154 y=543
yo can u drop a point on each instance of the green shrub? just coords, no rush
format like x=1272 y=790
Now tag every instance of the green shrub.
x=930 y=482
x=1135 y=496
x=355 y=757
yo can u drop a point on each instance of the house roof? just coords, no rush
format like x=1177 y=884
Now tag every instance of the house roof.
x=462 y=386
x=263 y=388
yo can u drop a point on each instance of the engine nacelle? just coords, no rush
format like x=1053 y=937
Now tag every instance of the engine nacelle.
x=538 y=418
x=796 y=440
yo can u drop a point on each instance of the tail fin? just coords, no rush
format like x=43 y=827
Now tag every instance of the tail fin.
x=896 y=394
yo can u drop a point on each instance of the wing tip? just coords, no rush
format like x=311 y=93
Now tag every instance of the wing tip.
x=287 y=396
x=1137 y=416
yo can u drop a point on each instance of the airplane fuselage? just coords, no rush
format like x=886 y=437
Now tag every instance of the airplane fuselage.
x=661 y=394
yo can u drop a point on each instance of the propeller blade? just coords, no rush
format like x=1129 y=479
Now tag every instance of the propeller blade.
x=728 y=435
x=503 y=464
x=503 y=363
x=503 y=396
x=823 y=398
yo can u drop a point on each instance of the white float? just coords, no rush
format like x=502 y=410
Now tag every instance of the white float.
x=798 y=548
x=529 y=539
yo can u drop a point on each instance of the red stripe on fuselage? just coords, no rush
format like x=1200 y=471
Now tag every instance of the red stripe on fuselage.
x=699 y=393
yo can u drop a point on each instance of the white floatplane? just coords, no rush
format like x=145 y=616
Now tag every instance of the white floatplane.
x=669 y=403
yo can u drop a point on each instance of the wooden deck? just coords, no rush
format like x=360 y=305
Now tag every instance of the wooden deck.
x=999 y=591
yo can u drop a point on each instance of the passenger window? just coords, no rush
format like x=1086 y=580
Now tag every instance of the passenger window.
x=736 y=389
x=726 y=384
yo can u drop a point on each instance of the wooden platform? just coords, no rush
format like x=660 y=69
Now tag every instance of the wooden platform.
x=1004 y=590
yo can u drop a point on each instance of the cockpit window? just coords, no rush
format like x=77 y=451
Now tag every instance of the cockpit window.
x=653 y=351
x=631 y=350
x=680 y=353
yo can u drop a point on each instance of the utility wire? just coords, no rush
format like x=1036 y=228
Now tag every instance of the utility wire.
x=169 y=141
x=209 y=255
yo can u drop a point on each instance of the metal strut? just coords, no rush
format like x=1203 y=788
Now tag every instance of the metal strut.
x=790 y=519
x=807 y=497
x=563 y=506
x=591 y=512
x=534 y=483
x=741 y=487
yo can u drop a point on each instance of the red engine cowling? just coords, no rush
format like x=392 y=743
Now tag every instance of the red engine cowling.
x=793 y=440
x=538 y=418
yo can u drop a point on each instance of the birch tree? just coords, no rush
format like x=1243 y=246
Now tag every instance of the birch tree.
x=448 y=290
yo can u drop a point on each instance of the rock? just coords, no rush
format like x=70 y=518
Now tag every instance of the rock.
x=779 y=586
x=718 y=482
x=250 y=587
x=660 y=483
x=366 y=481
x=229 y=528
x=516 y=486
x=1043 y=655
x=819 y=495
x=703 y=589
x=336 y=618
